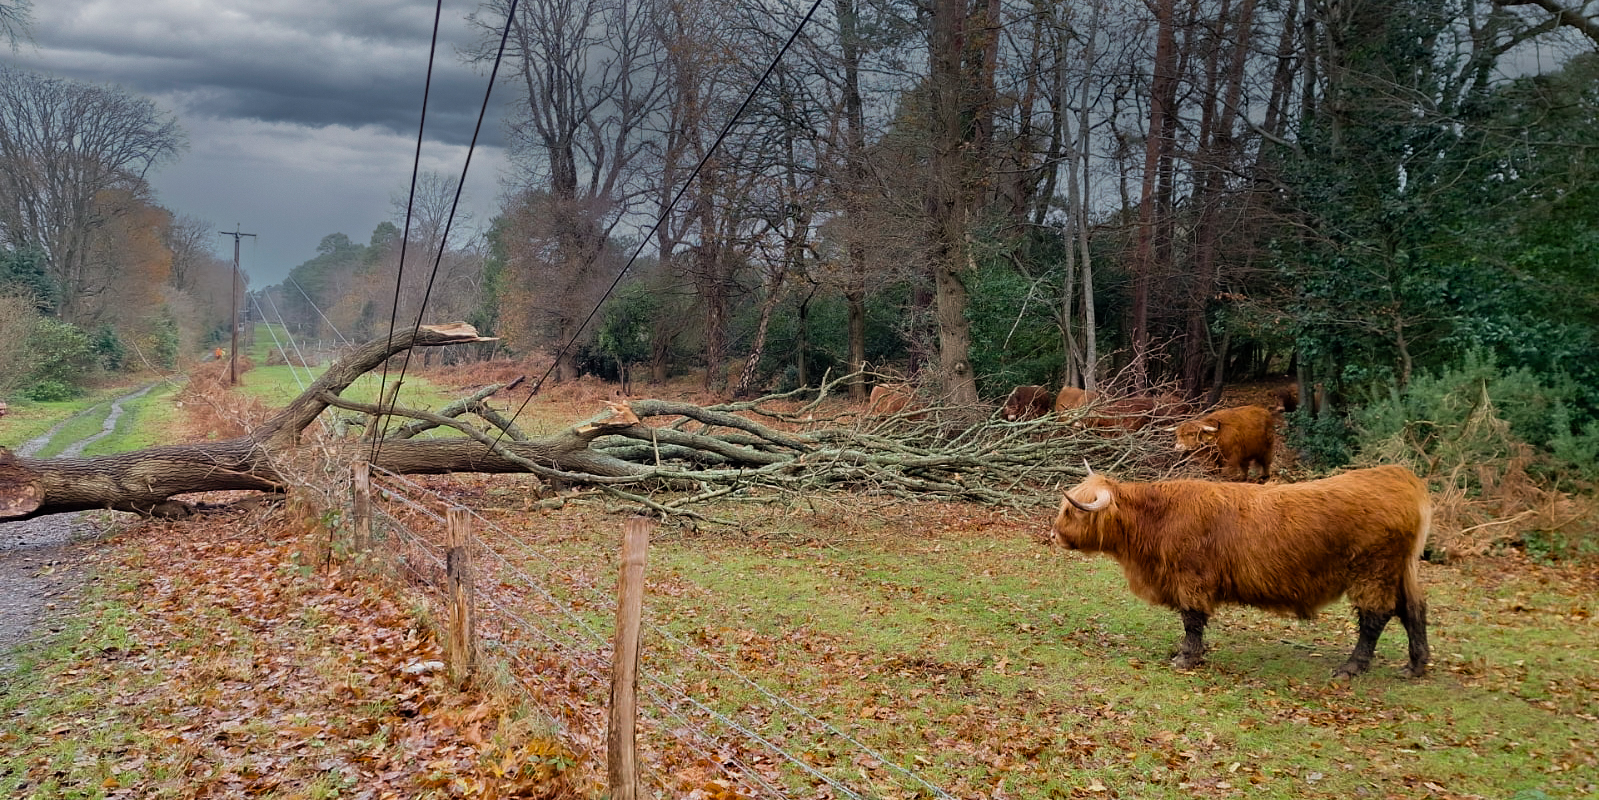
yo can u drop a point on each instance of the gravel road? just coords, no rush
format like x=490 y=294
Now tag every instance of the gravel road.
x=39 y=565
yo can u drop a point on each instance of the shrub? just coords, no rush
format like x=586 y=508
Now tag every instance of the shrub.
x=1323 y=441
x=51 y=391
x=1497 y=446
x=109 y=350
x=62 y=353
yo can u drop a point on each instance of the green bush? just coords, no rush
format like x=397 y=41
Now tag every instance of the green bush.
x=166 y=341
x=51 y=391
x=1323 y=441
x=63 y=354
x=109 y=350
x=1014 y=337
x=1479 y=413
x=1578 y=450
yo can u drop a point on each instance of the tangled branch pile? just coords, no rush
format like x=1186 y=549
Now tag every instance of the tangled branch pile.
x=668 y=455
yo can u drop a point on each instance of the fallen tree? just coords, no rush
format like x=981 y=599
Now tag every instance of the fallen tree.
x=665 y=456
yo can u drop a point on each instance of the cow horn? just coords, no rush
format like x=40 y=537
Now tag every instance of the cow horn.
x=1087 y=467
x=1099 y=502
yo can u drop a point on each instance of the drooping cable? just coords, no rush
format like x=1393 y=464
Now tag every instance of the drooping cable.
x=449 y=222
x=405 y=237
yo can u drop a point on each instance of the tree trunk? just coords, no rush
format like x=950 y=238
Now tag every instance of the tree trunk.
x=855 y=154
x=1157 y=155
x=728 y=449
x=948 y=197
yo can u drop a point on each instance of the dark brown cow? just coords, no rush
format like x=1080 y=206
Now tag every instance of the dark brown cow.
x=1287 y=398
x=1235 y=437
x=1028 y=402
x=1286 y=548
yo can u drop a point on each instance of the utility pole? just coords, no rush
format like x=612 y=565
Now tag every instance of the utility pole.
x=233 y=351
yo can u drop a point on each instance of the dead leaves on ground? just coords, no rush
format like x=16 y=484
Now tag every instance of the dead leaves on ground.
x=224 y=667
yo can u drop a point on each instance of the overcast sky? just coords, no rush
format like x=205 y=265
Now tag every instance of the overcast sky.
x=301 y=114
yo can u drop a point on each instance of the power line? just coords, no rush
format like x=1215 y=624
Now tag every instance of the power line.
x=444 y=239
x=405 y=236
x=661 y=217
x=312 y=303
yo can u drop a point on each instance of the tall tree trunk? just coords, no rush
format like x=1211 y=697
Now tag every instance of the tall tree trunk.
x=855 y=156
x=1157 y=156
x=948 y=199
x=1216 y=158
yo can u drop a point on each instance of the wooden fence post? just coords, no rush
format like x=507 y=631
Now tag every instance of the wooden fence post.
x=621 y=744
x=461 y=649
x=361 y=502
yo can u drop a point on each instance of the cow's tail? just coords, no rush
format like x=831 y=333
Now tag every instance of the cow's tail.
x=1411 y=596
x=1412 y=600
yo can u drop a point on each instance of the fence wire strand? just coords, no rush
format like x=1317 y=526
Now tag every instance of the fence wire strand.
x=587 y=643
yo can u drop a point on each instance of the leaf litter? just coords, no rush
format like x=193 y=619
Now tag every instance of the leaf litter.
x=217 y=663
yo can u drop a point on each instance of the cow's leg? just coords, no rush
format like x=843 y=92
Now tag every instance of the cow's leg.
x=1414 y=617
x=1191 y=653
x=1371 y=625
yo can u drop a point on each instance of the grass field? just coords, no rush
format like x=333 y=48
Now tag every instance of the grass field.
x=990 y=665
x=896 y=647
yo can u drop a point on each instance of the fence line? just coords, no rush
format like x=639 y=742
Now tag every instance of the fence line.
x=597 y=642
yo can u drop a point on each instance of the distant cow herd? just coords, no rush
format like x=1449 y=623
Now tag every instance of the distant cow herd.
x=1194 y=545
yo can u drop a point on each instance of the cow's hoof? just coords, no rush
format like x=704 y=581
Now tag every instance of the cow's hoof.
x=1414 y=671
x=1186 y=661
x=1349 y=670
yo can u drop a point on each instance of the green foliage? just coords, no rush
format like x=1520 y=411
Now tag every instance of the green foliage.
x=64 y=358
x=628 y=324
x=51 y=391
x=26 y=272
x=1015 y=340
x=1322 y=441
x=1435 y=409
x=1579 y=449
x=165 y=341
x=1472 y=226
x=109 y=350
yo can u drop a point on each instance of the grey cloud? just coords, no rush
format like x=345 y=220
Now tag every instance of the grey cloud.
x=309 y=63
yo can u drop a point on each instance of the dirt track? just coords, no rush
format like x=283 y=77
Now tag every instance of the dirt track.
x=39 y=572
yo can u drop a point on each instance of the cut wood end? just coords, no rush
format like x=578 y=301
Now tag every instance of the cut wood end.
x=460 y=331
x=20 y=492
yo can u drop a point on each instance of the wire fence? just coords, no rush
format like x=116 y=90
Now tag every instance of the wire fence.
x=549 y=628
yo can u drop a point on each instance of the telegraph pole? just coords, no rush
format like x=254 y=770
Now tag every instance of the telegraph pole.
x=233 y=351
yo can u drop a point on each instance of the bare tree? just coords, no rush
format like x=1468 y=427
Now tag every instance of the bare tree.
x=62 y=145
x=590 y=81
x=15 y=21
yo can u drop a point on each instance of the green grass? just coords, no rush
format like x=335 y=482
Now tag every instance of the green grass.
x=80 y=426
x=973 y=657
x=278 y=384
x=84 y=756
x=145 y=422
x=27 y=419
